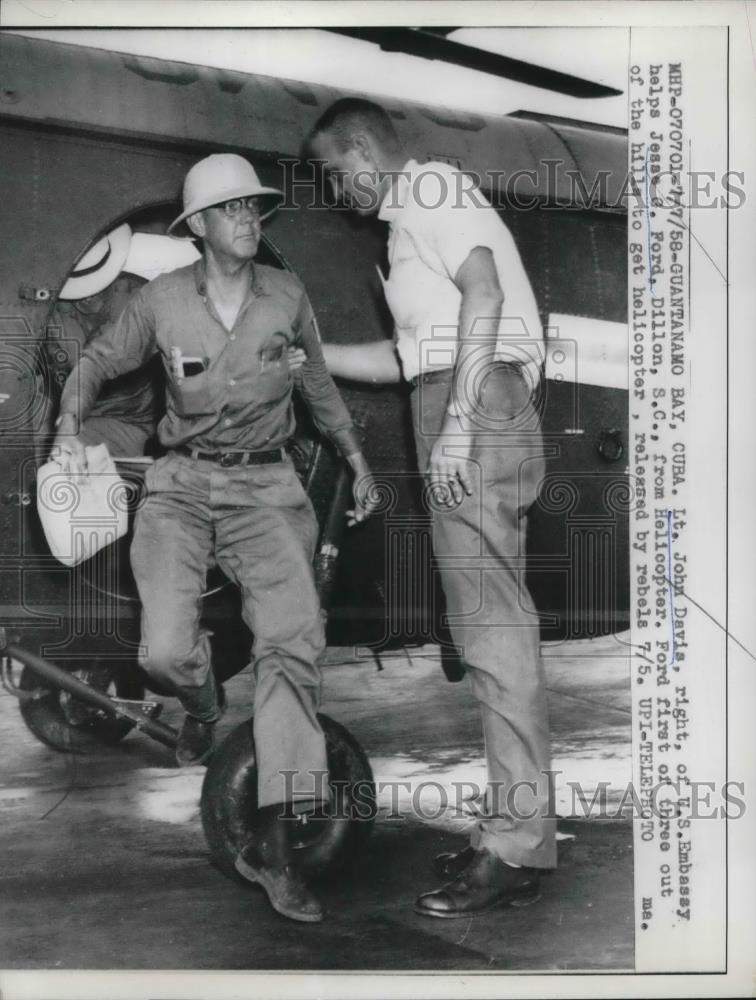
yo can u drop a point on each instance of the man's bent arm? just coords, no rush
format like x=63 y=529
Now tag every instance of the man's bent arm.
x=375 y=362
x=80 y=393
x=121 y=347
x=328 y=410
x=479 y=313
x=317 y=388
x=479 y=318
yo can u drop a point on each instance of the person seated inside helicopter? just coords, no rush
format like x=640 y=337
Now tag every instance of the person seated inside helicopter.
x=126 y=414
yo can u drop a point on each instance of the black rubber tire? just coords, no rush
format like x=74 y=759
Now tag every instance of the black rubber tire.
x=229 y=802
x=45 y=716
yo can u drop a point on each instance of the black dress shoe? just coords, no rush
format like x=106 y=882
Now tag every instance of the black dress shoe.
x=196 y=742
x=485 y=883
x=451 y=863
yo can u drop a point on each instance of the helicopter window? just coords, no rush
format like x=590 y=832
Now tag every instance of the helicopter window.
x=148 y=70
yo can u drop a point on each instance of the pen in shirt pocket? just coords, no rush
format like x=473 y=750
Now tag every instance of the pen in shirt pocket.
x=184 y=366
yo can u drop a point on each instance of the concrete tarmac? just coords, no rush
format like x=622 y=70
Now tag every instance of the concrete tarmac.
x=104 y=863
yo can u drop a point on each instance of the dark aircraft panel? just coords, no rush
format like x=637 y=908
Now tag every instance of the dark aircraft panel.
x=181 y=104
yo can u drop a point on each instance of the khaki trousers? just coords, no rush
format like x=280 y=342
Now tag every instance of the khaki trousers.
x=479 y=550
x=258 y=525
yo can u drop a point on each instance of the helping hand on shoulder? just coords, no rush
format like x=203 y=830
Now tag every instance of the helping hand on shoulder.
x=297 y=357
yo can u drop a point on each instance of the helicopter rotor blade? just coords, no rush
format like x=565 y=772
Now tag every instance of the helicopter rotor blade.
x=432 y=44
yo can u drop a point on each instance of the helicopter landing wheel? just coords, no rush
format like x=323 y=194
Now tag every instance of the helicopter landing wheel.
x=321 y=839
x=64 y=723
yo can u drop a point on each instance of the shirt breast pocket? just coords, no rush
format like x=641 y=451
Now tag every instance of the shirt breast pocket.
x=273 y=375
x=192 y=396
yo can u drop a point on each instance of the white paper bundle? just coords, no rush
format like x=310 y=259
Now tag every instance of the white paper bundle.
x=81 y=513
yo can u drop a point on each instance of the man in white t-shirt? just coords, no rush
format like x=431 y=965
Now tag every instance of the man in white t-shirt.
x=468 y=337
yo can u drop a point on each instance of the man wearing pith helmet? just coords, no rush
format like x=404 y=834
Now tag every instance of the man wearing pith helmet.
x=226 y=491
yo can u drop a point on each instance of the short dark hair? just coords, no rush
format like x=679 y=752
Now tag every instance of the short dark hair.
x=351 y=115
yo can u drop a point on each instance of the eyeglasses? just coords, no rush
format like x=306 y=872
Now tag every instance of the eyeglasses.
x=233 y=207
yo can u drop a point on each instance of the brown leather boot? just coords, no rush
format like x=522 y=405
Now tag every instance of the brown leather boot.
x=485 y=883
x=266 y=861
x=196 y=742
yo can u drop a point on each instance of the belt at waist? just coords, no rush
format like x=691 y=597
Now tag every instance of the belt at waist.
x=228 y=458
x=446 y=374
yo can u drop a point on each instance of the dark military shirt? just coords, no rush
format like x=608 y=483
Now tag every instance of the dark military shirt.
x=225 y=389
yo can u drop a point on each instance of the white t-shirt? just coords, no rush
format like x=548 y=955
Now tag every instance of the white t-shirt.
x=437 y=218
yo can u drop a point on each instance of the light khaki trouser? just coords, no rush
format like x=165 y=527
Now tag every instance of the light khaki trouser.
x=258 y=525
x=479 y=550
